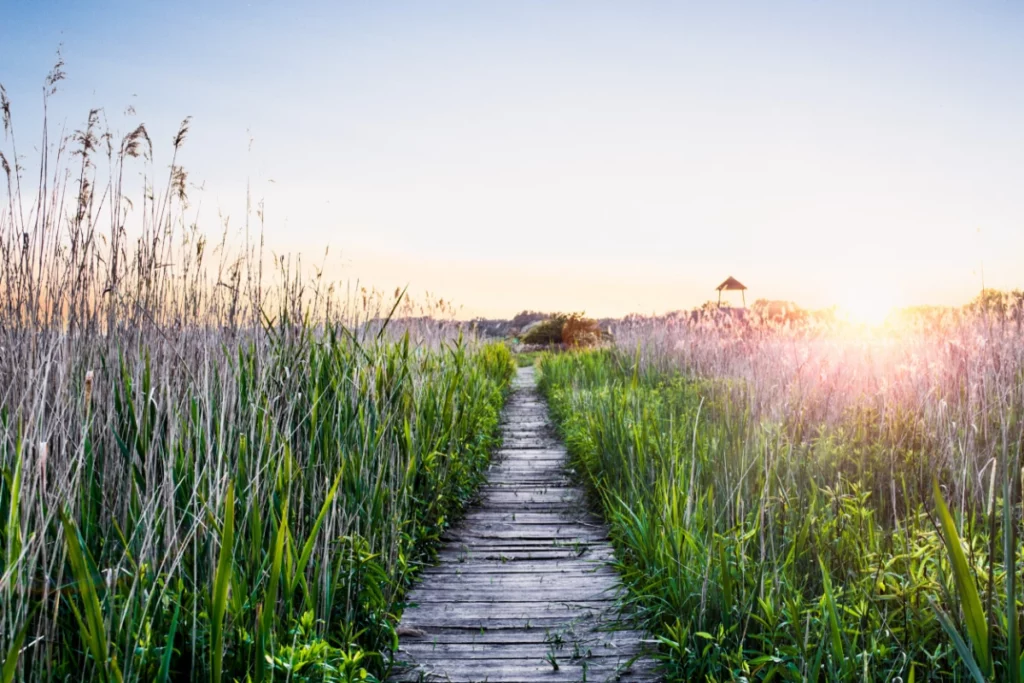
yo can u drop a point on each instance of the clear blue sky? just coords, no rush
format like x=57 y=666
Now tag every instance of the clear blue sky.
x=606 y=156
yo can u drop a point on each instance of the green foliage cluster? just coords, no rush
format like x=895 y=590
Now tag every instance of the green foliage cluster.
x=570 y=329
x=766 y=552
x=546 y=332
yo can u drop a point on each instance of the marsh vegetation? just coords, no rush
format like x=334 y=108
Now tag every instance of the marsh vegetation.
x=215 y=464
x=830 y=503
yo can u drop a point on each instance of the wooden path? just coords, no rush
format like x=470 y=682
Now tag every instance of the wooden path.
x=523 y=591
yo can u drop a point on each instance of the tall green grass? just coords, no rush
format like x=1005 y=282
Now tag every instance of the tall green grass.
x=212 y=465
x=755 y=552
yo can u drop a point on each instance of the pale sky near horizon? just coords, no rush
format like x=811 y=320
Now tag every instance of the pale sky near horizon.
x=611 y=157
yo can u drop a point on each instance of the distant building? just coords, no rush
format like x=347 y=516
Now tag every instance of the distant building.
x=731 y=284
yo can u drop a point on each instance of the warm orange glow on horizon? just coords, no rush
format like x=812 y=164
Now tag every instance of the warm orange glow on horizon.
x=867 y=306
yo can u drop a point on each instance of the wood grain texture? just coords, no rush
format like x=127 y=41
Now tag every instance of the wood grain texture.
x=524 y=579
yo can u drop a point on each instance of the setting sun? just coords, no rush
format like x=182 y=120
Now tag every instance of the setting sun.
x=866 y=307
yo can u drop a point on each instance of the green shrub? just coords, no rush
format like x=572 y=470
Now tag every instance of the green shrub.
x=547 y=332
x=572 y=329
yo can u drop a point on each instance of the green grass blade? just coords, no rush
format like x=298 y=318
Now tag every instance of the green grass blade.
x=11 y=660
x=91 y=623
x=14 y=511
x=833 y=615
x=270 y=598
x=958 y=643
x=222 y=580
x=165 y=661
x=391 y=313
x=1010 y=564
x=723 y=568
x=307 y=549
x=970 y=601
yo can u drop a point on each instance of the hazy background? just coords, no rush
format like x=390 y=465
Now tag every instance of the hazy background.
x=606 y=156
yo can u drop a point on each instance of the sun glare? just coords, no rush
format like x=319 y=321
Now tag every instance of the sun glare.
x=866 y=307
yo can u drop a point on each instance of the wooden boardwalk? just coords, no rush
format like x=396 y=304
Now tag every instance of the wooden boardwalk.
x=523 y=591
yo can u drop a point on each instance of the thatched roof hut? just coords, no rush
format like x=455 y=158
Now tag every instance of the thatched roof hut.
x=731 y=284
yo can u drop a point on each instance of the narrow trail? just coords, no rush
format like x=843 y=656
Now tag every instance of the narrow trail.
x=525 y=578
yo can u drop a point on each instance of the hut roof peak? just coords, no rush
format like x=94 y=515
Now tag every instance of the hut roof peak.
x=731 y=283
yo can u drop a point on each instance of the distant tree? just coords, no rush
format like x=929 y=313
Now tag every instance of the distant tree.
x=523 y=319
x=578 y=330
x=571 y=329
x=546 y=332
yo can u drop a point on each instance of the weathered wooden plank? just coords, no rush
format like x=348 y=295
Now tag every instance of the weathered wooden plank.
x=526 y=517
x=536 y=443
x=537 y=474
x=584 y=517
x=548 y=467
x=497 y=569
x=478 y=623
x=519 y=580
x=539 y=531
x=501 y=643
x=510 y=578
x=531 y=497
x=474 y=671
x=439 y=637
x=549 y=473
x=518 y=484
x=562 y=588
x=530 y=476
x=527 y=595
x=526 y=586
x=525 y=538
x=554 y=524
x=532 y=489
x=536 y=458
x=531 y=651
x=509 y=552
